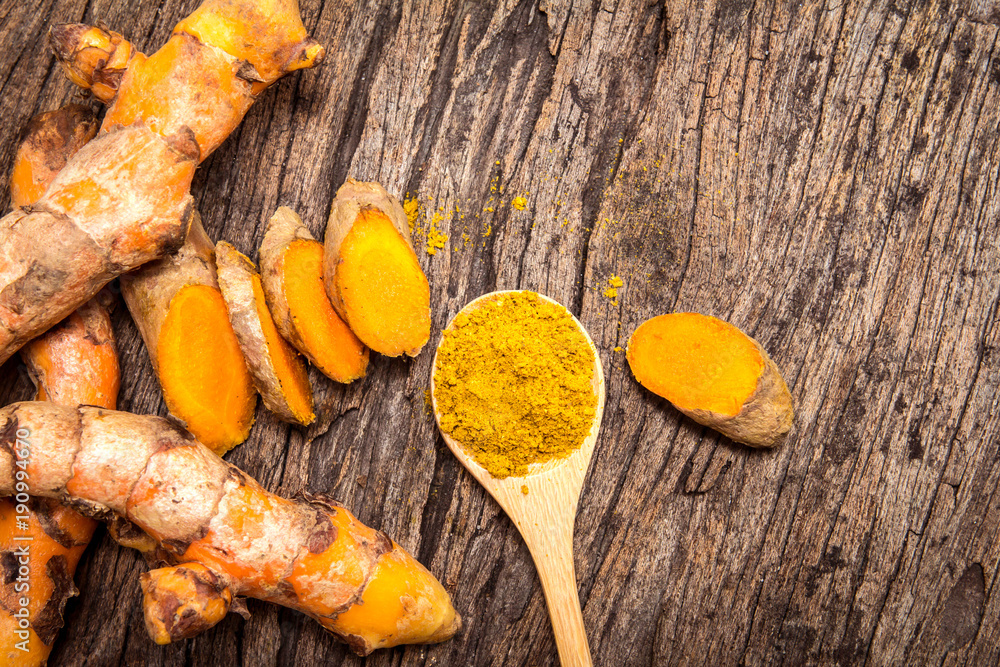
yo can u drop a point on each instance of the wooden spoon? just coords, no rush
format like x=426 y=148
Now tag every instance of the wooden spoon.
x=544 y=516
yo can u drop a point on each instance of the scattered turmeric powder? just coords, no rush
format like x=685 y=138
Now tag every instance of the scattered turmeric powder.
x=611 y=292
x=513 y=382
x=412 y=209
x=436 y=239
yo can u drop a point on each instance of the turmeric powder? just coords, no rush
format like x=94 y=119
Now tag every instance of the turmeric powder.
x=513 y=382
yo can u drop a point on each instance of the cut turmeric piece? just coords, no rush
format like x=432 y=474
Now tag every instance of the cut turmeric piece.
x=177 y=305
x=372 y=275
x=278 y=372
x=291 y=264
x=204 y=377
x=715 y=374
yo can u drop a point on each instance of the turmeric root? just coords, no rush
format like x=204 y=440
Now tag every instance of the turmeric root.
x=48 y=141
x=309 y=554
x=41 y=543
x=291 y=266
x=179 y=310
x=203 y=80
x=279 y=373
x=371 y=273
x=715 y=374
x=74 y=362
x=123 y=199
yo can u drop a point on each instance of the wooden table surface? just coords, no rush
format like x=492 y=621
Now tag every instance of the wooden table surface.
x=824 y=175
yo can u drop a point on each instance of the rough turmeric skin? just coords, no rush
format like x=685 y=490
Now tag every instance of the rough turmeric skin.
x=58 y=538
x=177 y=305
x=371 y=273
x=46 y=144
x=74 y=362
x=291 y=264
x=278 y=372
x=309 y=554
x=715 y=374
x=121 y=201
x=182 y=601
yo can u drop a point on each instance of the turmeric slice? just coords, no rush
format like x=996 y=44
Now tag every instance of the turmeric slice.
x=74 y=362
x=180 y=312
x=291 y=265
x=224 y=534
x=715 y=374
x=372 y=275
x=278 y=372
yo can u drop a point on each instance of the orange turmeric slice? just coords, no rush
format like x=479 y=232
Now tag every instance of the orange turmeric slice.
x=372 y=275
x=177 y=305
x=291 y=263
x=715 y=374
x=204 y=378
x=279 y=373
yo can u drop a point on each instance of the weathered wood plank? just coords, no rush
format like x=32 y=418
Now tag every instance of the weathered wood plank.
x=826 y=176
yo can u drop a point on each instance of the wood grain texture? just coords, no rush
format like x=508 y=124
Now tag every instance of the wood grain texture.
x=824 y=175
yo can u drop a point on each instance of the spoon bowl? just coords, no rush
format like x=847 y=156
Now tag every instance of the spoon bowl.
x=542 y=504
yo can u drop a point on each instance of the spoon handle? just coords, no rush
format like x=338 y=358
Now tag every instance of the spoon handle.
x=553 y=556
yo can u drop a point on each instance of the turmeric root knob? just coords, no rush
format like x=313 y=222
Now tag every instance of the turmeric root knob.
x=371 y=273
x=291 y=264
x=182 y=601
x=279 y=373
x=715 y=374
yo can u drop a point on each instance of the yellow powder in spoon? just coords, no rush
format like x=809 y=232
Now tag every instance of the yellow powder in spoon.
x=514 y=383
